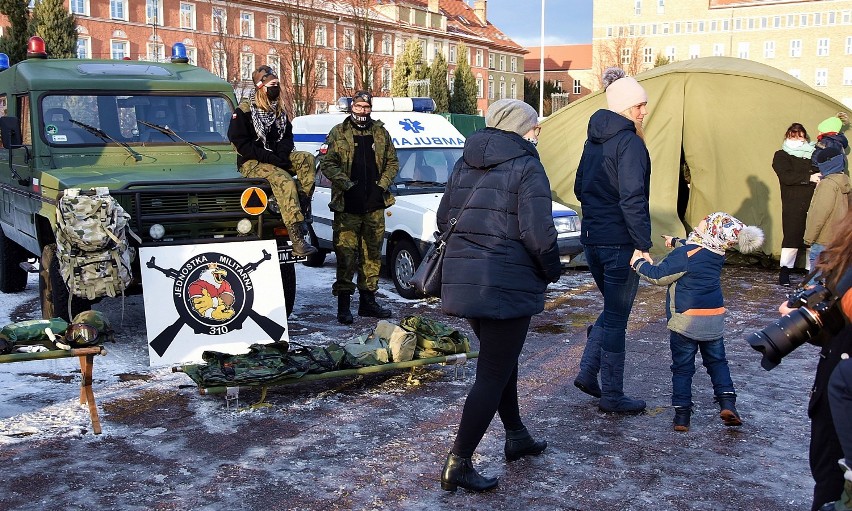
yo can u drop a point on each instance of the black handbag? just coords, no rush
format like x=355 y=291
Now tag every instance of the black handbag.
x=427 y=279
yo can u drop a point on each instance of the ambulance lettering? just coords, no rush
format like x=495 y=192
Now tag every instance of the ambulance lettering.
x=420 y=141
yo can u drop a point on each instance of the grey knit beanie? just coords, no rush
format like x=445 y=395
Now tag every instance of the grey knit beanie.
x=511 y=115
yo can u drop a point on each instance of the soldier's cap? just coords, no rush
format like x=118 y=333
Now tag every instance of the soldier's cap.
x=362 y=96
x=262 y=75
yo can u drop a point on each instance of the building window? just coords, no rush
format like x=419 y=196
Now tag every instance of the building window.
x=246 y=24
x=154 y=12
x=156 y=52
x=637 y=8
x=726 y=25
x=625 y=56
x=490 y=60
x=514 y=67
x=387 y=44
x=817 y=19
x=791 y=20
x=192 y=55
x=670 y=53
x=514 y=91
x=848 y=45
x=718 y=50
x=480 y=86
x=220 y=64
x=795 y=73
x=298 y=70
x=701 y=26
x=832 y=18
x=648 y=55
x=738 y=24
x=821 y=78
x=84 y=48
x=479 y=58
x=847 y=76
x=751 y=23
x=661 y=6
x=437 y=49
x=490 y=89
x=274 y=61
x=219 y=21
x=609 y=32
x=846 y=16
x=387 y=78
x=247 y=66
x=796 y=48
x=714 y=25
x=297 y=32
x=822 y=47
x=502 y=62
x=273 y=28
x=803 y=20
x=80 y=7
x=119 y=49
x=665 y=28
x=349 y=76
x=348 y=39
x=321 y=107
x=452 y=54
x=187 y=16
x=118 y=9
x=769 y=49
x=776 y=22
x=576 y=88
x=502 y=88
x=694 y=51
x=742 y=50
x=320 y=36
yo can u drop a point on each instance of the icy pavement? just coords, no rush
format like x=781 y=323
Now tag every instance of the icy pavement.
x=378 y=442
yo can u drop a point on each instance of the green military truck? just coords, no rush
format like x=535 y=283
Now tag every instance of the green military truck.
x=153 y=133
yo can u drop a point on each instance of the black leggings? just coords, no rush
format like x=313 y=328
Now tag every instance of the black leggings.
x=496 y=385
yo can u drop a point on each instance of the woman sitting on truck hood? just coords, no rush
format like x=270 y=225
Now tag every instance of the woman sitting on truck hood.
x=263 y=137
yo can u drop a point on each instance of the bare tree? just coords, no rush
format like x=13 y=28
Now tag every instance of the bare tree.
x=301 y=51
x=360 y=58
x=623 y=50
x=221 y=51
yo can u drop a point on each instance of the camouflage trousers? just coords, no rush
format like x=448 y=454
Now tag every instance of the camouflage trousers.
x=286 y=187
x=358 y=245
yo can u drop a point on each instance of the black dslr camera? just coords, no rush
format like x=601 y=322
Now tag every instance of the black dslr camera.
x=815 y=309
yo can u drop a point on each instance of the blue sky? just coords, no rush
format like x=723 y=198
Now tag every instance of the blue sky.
x=565 y=21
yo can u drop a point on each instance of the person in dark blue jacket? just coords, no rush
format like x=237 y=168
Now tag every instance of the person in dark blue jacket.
x=613 y=186
x=497 y=265
x=695 y=308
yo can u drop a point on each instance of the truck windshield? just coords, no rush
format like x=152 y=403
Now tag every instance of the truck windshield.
x=426 y=166
x=142 y=119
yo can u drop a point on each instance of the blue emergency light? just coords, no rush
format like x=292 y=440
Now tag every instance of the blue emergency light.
x=179 y=54
x=392 y=104
x=4 y=62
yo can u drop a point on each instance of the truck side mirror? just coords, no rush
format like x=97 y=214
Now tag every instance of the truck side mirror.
x=10 y=132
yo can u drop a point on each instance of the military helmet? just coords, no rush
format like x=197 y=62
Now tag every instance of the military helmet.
x=89 y=328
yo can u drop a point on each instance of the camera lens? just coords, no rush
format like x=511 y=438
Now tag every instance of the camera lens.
x=785 y=335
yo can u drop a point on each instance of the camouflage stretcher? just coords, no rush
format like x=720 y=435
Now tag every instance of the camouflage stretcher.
x=417 y=342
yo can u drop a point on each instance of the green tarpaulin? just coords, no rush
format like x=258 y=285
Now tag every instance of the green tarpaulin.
x=726 y=116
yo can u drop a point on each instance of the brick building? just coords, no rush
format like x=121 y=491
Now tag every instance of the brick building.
x=569 y=66
x=304 y=38
x=810 y=39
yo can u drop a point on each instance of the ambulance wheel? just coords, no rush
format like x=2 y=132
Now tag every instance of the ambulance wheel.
x=52 y=290
x=318 y=259
x=288 y=279
x=13 y=278
x=403 y=263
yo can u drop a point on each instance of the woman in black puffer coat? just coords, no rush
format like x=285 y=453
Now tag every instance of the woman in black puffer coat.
x=498 y=263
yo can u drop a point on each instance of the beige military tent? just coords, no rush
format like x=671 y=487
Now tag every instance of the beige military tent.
x=724 y=118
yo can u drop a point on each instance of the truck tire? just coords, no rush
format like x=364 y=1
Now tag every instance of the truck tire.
x=13 y=278
x=315 y=260
x=52 y=290
x=404 y=261
x=288 y=279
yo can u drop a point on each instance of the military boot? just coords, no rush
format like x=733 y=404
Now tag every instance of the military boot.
x=784 y=276
x=301 y=248
x=681 y=418
x=520 y=443
x=459 y=471
x=367 y=306
x=305 y=206
x=344 y=315
x=728 y=410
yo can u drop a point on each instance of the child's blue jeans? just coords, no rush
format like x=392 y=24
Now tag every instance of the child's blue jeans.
x=683 y=367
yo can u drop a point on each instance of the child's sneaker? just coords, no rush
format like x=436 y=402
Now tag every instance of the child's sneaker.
x=681 y=418
x=728 y=413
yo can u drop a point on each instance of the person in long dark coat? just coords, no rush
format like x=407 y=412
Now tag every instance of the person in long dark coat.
x=498 y=263
x=798 y=178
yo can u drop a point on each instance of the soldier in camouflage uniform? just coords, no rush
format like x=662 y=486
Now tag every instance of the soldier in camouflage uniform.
x=361 y=163
x=263 y=137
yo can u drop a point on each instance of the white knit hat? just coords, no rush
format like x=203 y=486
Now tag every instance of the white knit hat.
x=622 y=91
x=511 y=115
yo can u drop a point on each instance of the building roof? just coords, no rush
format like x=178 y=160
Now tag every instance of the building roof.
x=462 y=20
x=566 y=57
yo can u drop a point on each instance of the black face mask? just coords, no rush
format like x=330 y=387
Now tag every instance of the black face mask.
x=273 y=92
x=361 y=120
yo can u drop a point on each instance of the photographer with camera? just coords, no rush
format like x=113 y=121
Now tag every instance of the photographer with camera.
x=814 y=315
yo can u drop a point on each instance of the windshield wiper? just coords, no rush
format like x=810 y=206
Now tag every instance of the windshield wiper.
x=422 y=182
x=105 y=136
x=170 y=132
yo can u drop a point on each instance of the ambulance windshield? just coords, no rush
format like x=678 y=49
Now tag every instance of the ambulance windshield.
x=426 y=167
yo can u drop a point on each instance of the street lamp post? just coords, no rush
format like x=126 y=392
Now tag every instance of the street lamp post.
x=541 y=68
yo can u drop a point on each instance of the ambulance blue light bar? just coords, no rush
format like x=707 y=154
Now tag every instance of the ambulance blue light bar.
x=395 y=104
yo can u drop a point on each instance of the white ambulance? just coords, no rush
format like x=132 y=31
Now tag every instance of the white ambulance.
x=427 y=146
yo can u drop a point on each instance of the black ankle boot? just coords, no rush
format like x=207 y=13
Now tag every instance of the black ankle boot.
x=520 y=443
x=728 y=410
x=367 y=306
x=681 y=418
x=784 y=276
x=344 y=315
x=459 y=471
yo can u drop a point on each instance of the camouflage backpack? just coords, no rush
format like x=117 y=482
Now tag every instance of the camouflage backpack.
x=91 y=243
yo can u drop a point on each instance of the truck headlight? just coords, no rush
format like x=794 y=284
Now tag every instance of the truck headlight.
x=244 y=226
x=157 y=231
